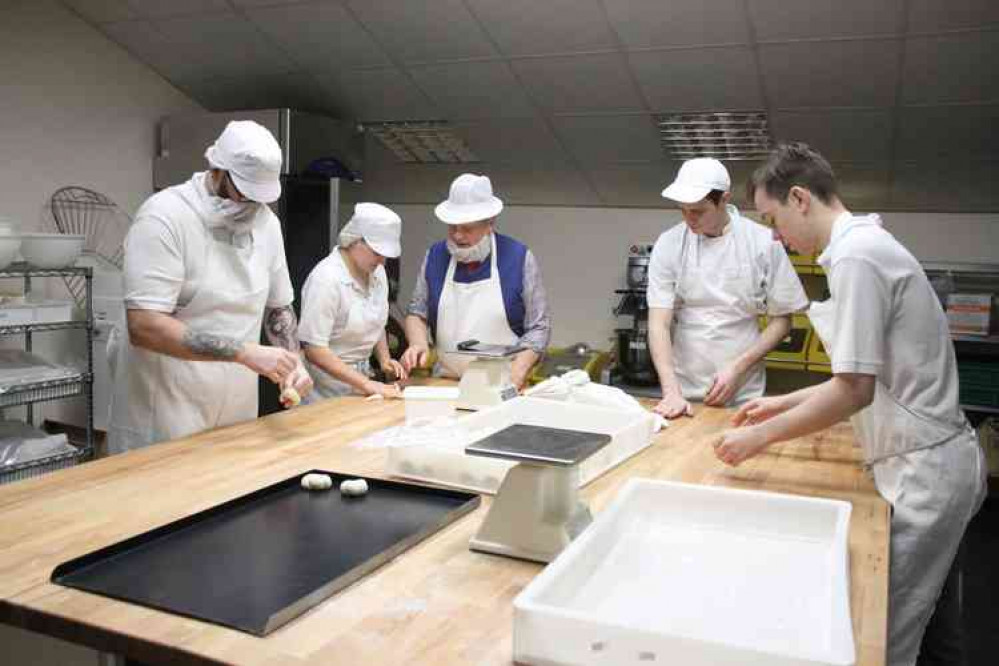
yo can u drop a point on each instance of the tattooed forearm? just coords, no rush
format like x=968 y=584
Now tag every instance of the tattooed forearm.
x=281 y=327
x=219 y=347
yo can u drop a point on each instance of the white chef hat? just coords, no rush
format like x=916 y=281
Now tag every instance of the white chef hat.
x=252 y=157
x=379 y=226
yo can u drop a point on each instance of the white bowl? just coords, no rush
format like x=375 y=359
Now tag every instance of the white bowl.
x=51 y=250
x=9 y=245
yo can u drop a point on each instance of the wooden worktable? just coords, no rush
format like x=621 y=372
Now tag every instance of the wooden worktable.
x=437 y=604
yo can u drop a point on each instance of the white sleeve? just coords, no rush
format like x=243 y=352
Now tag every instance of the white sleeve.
x=661 y=292
x=154 y=265
x=281 y=292
x=863 y=308
x=320 y=309
x=785 y=295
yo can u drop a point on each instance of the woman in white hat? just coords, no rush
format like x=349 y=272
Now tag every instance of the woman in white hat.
x=477 y=284
x=345 y=308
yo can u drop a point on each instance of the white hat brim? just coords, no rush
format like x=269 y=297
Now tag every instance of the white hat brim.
x=451 y=213
x=266 y=192
x=685 y=193
x=387 y=248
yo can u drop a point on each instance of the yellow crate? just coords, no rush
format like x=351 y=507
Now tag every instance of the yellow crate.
x=560 y=360
x=818 y=359
x=793 y=348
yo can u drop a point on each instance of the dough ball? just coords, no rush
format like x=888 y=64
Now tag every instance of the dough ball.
x=354 y=487
x=317 y=482
x=290 y=397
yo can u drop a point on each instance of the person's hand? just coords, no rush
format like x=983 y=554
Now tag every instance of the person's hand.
x=299 y=380
x=387 y=391
x=723 y=387
x=673 y=405
x=393 y=368
x=759 y=410
x=415 y=356
x=732 y=447
x=275 y=363
x=518 y=378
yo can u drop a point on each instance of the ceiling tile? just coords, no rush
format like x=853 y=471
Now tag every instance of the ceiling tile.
x=466 y=90
x=160 y=9
x=425 y=31
x=936 y=15
x=513 y=141
x=102 y=11
x=319 y=35
x=606 y=139
x=839 y=135
x=574 y=84
x=957 y=186
x=951 y=68
x=780 y=19
x=146 y=43
x=296 y=90
x=713 y=79
x=961 y=131
x=840 y=73
x=246 y=4
x=221 y=46
x=529 y=27
x=632 y=184
x=654 y=23
x=377 y=94
x=528 y=185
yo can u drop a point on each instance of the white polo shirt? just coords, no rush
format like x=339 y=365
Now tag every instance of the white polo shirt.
x=889 y=322
x=328 y=294
x=165 y=249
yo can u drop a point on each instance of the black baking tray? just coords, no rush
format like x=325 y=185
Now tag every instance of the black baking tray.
x=558 y=447
x=258 y=561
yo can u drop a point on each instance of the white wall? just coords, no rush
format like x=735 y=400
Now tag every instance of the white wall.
x=583 y=251
x=75 y=109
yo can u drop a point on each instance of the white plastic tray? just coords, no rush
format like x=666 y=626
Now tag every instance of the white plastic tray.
x=695 y=575
x=446 y=462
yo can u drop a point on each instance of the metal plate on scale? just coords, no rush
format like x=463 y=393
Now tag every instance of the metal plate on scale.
x=540 y=444
x=256 y=562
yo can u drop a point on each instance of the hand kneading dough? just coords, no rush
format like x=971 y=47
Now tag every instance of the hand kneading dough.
x=317 y=482
x=354 y=487
x=290 y=397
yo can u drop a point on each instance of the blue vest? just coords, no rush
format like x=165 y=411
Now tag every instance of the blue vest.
x=510 y=256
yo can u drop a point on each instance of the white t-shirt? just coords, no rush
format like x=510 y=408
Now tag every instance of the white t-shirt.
x=753 y=245
x=328 y=294
x=889 y=322
x=166 y=246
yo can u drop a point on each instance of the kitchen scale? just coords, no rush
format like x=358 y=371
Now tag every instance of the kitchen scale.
x=537 y=511
x=486 y=381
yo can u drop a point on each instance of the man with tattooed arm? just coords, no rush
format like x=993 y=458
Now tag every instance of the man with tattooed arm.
x=204 y=270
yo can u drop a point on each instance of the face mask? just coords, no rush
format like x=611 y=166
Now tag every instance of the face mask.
x=477 y=252
x=236 y=216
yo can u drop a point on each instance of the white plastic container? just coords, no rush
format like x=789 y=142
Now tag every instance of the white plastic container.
x=16 y=314
x=50 y=312
x=695 y=575
x=446 y=462
x=9 y=246
x=429 y=402
x=51 y=250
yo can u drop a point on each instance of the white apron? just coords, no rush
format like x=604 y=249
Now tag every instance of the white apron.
x=158 y=397
x=932 y=474
x=365 y=324
x=468 y=311
x=715 y=318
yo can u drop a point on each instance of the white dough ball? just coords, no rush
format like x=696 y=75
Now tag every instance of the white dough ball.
x=354 y=487
x=317 y=482
x=290 y=397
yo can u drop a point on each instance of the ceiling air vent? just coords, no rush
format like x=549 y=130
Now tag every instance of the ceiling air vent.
x=725 y=136
x=422 y=141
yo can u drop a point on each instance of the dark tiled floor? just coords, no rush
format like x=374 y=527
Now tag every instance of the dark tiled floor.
x=981 y=585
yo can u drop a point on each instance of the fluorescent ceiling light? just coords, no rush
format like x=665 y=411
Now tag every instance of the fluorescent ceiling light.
x=422 y=141
x=725 y=136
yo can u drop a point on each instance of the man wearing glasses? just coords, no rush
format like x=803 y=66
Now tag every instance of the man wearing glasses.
x=204 y=270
